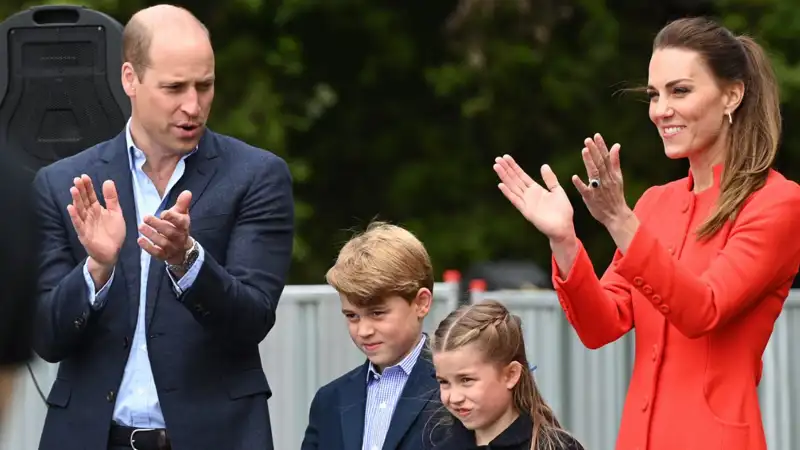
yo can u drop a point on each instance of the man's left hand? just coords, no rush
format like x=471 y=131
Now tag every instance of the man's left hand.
x=167 y=238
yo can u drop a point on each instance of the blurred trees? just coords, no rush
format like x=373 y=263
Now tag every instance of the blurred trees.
x=396 y=110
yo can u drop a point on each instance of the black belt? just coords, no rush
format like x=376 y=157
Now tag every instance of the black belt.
x=139 y=438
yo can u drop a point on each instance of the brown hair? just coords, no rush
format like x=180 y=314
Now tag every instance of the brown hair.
x=136 y=39
x=498 y=335
x=383 y=261
x=756 y=128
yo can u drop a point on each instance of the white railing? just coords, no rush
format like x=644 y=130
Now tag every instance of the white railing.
x=310 y=346
x=587 y=387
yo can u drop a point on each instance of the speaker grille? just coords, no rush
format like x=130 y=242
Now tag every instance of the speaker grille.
x=58 y=101
x=56 y=57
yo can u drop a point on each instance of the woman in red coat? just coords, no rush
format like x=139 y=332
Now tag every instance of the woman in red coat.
x=703 y=264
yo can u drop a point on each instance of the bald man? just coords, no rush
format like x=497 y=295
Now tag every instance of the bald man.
x=165 y=252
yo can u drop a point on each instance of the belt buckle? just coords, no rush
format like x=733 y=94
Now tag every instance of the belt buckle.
x=133 y=436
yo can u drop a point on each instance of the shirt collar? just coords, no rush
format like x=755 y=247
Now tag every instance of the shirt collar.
x=407 y=364
x=136 y=158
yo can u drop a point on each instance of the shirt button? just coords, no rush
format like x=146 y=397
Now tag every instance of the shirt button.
x=645 y=404
x=125 y=342
x=111 y=396
x=655 y=353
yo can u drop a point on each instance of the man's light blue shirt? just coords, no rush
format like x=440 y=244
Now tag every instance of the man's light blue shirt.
x=137 y=402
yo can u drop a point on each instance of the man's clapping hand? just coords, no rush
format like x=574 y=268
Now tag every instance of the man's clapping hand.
x=167 y=238
x=101 y=230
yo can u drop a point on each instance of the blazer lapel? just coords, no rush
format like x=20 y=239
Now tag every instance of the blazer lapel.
x=116 y=167
x=352 y=405
x=200 y=168
x=417 y=393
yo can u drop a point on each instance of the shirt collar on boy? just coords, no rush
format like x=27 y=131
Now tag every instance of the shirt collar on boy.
x=406 y=365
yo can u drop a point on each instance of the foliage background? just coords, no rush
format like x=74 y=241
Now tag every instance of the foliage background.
x=396 y=109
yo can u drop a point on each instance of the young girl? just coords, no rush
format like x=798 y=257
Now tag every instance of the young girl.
x=480 y=362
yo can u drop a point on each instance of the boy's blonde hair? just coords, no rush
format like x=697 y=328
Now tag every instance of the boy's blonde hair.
x=383 y=261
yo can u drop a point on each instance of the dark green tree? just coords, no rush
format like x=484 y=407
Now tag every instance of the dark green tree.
x=396 y=110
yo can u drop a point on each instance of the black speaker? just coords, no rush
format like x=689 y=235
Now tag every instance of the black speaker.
x=60 y=88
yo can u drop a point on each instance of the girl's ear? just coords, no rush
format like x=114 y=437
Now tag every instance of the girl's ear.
x=511 y=374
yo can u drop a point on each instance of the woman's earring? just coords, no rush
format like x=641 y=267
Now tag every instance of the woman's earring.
x=730 y=119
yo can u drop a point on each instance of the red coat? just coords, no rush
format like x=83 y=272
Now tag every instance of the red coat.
x=703 y=313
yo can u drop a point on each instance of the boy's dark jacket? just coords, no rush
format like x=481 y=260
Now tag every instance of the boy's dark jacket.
x=336 y=417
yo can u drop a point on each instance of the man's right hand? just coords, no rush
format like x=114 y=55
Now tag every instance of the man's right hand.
x=100 y=230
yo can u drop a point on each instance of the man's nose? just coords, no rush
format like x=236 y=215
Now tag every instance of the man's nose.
x=191 y=103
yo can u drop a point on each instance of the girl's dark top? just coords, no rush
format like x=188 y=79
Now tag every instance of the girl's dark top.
x=517 y=436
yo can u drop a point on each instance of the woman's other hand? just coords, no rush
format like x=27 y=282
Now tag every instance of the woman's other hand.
x=604 y=195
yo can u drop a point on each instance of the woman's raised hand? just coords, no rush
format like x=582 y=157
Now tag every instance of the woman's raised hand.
x=604 y=194
x=548 y=208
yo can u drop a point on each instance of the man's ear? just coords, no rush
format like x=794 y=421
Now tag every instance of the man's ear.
x=129 y=79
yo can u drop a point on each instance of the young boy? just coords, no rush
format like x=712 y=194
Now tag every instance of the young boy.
x=385 y=282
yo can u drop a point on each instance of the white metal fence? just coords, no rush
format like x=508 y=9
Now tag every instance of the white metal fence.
x=310 y=346
x=587 y=387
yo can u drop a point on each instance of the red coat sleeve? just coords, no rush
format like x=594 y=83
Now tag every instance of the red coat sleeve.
x=600 y=310
x=762 y=251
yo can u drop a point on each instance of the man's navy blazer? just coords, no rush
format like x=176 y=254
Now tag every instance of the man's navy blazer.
x=336 y=417
x=203 y=346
